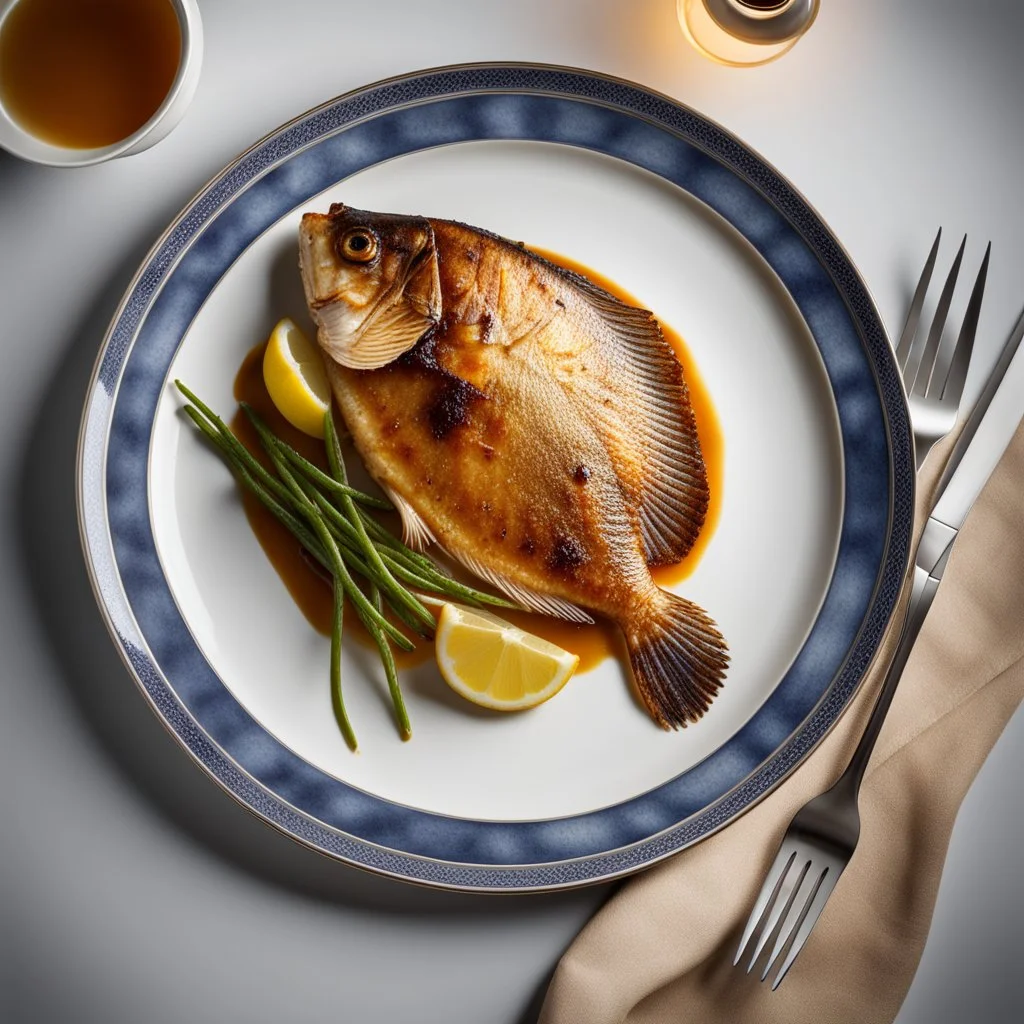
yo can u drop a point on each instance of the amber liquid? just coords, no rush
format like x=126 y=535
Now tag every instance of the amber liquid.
x=312 y=593
x=87 y=73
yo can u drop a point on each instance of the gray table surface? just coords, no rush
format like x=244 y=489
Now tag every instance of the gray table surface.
x=131 y=888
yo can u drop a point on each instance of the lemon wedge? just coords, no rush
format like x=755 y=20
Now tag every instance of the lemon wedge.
x=294 y=373
x=497 y=665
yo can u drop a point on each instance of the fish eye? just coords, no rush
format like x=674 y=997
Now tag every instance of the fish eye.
x=358 y=245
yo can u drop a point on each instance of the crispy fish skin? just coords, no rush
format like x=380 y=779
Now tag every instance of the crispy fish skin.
x=535 y=427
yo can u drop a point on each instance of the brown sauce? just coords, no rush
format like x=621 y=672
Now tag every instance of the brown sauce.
x=312 y=594
x=87 y=73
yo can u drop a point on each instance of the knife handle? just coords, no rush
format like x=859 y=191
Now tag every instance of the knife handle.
x=921 y=597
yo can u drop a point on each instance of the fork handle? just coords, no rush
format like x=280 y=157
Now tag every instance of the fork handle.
x=921 y=597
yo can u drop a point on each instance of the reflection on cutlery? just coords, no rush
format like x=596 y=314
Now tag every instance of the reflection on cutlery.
x=933 y=374
x=823 y=834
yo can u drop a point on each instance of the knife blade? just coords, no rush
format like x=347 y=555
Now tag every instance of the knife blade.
x=974 y=456
x=977 y=414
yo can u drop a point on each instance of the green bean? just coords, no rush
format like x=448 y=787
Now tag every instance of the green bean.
x=305 y=538
x=386 y=582
x=313 y=472
x=330 y=519
x=337 y=699
x=232 y=443
x=352 y=592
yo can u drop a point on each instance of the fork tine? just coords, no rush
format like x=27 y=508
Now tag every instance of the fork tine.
x=914 y=316
x=781 y=910
x=953 y=386
x=767 y=896
x=922 y=371
x=812 y=911
x=816 y=877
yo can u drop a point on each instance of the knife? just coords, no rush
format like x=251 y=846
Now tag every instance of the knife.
x=960 y=484
x=984 y=401
x=823 y=834
x=967 y=471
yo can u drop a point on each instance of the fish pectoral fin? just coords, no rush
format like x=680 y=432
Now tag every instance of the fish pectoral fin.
x=415 y=532
x=389 y=333
x=531 y=600
x=668 y=483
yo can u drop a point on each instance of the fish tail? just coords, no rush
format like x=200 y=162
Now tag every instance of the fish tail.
x=678 y=658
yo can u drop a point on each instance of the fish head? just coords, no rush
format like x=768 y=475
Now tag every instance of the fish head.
x=371 y=283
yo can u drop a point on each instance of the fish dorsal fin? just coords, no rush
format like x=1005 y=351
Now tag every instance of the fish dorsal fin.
x=635 y=396
x=415 y=532
x=531 y=600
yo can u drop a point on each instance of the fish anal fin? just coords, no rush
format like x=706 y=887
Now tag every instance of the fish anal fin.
x=530 y=600
x=415 y=532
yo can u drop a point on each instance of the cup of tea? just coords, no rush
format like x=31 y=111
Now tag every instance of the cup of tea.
x=82 y=81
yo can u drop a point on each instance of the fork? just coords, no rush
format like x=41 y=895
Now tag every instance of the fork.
x=934 y=374
x=823 y=834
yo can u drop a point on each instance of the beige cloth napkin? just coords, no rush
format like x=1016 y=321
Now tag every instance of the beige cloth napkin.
x=661 y=949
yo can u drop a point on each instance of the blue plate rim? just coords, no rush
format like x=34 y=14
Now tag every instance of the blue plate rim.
x=142 y=664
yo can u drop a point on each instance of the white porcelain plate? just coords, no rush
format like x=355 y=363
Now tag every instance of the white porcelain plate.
x=801 y=573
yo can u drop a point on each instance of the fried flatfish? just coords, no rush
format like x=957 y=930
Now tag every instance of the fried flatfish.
x=534 y=426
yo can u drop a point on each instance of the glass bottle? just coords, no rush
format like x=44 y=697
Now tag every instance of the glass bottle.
x=743 y=33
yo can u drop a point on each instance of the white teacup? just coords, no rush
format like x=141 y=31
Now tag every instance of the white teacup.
x=24 y=144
